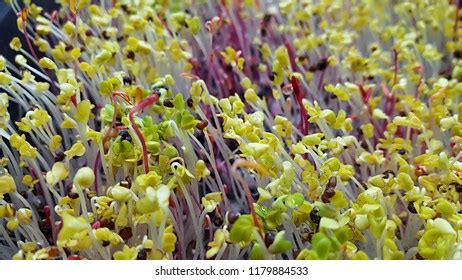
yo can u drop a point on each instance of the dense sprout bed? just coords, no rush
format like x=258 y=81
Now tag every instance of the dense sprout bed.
x=232 y=129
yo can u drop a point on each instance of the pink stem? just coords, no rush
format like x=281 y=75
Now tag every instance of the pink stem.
x=29 y=44
x=121 y=94
x=303 y=115
x=291 y=53
x=390 y=101
x=133 y=112
x=395 y=61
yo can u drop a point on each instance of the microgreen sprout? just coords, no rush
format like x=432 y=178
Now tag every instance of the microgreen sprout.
x=304 y=124
x=114 y=96
x=133 y=112
x=291 y=129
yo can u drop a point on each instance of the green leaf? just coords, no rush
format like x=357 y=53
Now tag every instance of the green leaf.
x=377 y=226
x=188 y=121
x=274 y=219
x=178 y=102
x=294 y=200
x=328 y=223
x=325 y=210
x=405 y=181
x=147 y=121
x=342 y=234
x=257 y=252
x=169 y=150
x=321 y=245
x=107 y=113
x=264 y=195
x=261 y=210
x=153 y=147
x=280 y=245
x=360 y=255
x=242 y=229
x=279 y=203
x=194 y=24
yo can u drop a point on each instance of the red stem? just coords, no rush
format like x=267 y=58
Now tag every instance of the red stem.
x=121 y=94
x=390 y=101
x=133 y=112
x=304 y=124
x=365 y=95
x=291 y=54
x=29 y=44
x=24 y=14
x=164 y=23
x=250 y=201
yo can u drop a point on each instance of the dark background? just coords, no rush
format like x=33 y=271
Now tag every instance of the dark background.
x=8 y=27
x=8 y=30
